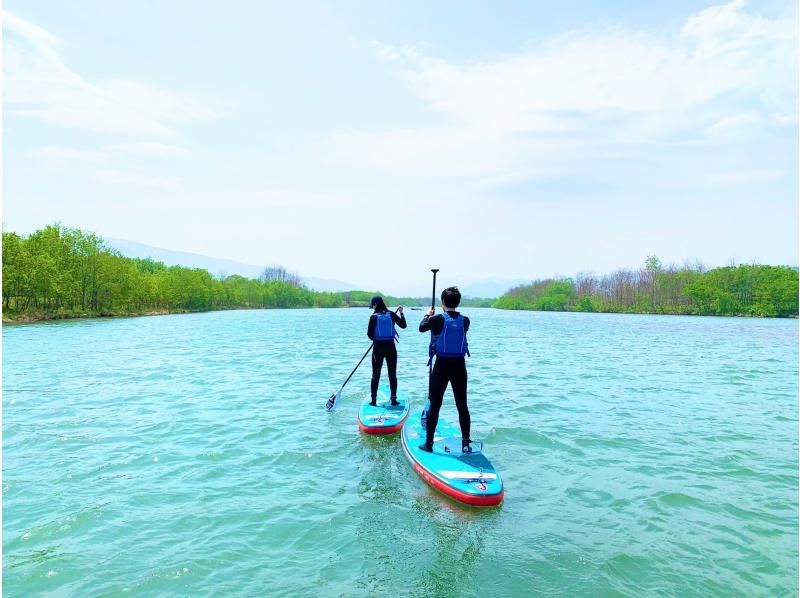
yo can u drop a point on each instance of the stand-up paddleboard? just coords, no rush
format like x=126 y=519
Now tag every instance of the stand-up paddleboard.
x=384 y=418
x=467 y=477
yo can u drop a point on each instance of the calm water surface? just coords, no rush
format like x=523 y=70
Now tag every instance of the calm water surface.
x=192 y=454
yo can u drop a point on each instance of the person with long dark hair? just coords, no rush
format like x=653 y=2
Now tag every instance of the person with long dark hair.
x=381 y=330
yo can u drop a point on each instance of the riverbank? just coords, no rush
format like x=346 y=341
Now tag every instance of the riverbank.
x=33 y=317
x=651 y=313
x=744 y=290
x=43 y=316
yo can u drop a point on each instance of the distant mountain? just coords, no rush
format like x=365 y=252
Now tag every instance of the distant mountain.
x=215 y=266
x=484 y=288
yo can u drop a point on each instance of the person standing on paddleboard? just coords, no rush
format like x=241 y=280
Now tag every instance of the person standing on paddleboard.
x=381 y=330
x=449 y=346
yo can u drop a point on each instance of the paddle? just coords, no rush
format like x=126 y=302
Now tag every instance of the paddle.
x=430 y=365
x=330 y=404
x=433 y=294
x=433 y=306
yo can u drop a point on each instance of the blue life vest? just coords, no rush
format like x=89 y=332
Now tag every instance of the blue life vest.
x=452 y=340
x=384 y=327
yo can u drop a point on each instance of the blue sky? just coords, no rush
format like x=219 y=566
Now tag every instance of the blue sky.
x=370 y=141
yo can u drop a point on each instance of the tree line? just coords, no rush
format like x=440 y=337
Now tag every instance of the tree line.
x=737 y=290
x=66 y=272
x=58 y=271
x=61 y=272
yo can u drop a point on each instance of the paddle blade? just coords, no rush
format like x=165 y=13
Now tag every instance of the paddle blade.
x=330 y=405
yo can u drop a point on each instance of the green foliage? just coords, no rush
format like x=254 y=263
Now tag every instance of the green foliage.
x=476 y=302
x=557 y=295
x=744 y=290
x=362 y=299
x=652 y=264
x=542 y=295
x=63 y=272
x=585 y=303
x=58 y=271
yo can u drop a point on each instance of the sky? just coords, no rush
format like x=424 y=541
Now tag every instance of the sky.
x=372 y=141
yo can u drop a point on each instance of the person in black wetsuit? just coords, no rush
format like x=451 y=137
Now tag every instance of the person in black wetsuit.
x=449 y=345
x=381 y=331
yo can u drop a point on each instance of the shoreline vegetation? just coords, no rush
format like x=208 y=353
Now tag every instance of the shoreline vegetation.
x=65 y=273
x=58 y=273
x=746 y=290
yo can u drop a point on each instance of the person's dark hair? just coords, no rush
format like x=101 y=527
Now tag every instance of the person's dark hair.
x=451 y=297
x=378 y=304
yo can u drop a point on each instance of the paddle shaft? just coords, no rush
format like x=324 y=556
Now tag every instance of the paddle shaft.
x=433 y=306
x=433 y=294
x=358 y=364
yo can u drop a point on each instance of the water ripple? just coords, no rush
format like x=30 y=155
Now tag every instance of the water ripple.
x=191 y=455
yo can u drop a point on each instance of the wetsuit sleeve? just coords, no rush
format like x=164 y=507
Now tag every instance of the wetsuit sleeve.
x=433 y=324
x=371 y=328
x=399 y=320
x=466 y=324
x=425 y=324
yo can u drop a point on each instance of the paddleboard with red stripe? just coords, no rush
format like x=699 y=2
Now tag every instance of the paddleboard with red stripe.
x=384 y=418
x=469 y=478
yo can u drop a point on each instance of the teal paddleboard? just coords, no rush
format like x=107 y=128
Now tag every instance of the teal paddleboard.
x=384 y=418
x=467 y=477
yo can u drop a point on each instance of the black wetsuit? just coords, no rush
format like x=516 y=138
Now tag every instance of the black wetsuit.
x=446 y=369
x=384 y=350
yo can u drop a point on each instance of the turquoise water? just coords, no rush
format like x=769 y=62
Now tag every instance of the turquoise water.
x=192 y=454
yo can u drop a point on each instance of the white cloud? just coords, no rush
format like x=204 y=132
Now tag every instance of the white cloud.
x=736 y=124
x=98 y=166
x=38 y=37
x=156 y=150
x=115 y=176
x=719 y=50
x=110 y=152
x=64 y=155
x=286 y=199
x=38 y=85
x=385 y=51
x=590 y=92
